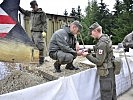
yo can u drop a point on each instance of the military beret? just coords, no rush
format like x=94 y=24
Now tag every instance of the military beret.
x=78 y=24
x=93 y=26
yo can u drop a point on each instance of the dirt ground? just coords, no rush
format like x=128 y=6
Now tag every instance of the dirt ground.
x=20 y=76
x=18 y=79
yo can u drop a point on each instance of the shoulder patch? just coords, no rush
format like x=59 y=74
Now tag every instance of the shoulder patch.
x=100 y=51
x=65 y=38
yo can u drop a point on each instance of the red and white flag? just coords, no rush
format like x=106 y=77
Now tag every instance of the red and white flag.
x=6 y=23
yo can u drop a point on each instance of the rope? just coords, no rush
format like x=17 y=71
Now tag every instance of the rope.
x=82 y=40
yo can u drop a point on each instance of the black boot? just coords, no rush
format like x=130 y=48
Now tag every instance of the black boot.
x=71 y=67
x=41 y=57
x=57 y=66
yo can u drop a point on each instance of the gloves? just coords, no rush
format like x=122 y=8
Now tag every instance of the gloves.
x=44 y=34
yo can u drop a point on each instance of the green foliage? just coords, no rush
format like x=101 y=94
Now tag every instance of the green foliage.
x=122 y=21
x=86 y=22
x=117 y=23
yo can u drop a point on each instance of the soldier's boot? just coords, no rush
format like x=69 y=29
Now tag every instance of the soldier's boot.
x=57 y=66
x=41 y=57
x=41 y=60
x=71 y=67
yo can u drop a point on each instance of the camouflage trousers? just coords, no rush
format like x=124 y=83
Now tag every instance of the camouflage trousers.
x=108 y=86
x=62 y=57
x=38 y=40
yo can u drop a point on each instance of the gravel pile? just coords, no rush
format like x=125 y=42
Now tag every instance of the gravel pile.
x=15 y=79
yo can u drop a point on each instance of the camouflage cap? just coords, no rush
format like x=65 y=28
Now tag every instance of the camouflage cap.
x=93 y=26
x=78 y=24
x=33 y=3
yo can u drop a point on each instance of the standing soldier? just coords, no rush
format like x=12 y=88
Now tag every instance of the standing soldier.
x=103 y=59
x=38 y=26
x=63 y=46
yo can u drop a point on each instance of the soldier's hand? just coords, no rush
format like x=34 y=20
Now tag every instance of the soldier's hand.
x=44 y=34
x=79 y=52
x=84 y=54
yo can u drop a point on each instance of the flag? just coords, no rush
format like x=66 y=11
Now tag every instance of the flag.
x=10 y=28
x=15 y=44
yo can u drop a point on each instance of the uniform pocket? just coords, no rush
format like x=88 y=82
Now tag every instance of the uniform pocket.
x=105 y=84
x=103 y=72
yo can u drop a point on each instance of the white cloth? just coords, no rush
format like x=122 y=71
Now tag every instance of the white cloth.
x=127 y=67
x=80 y=86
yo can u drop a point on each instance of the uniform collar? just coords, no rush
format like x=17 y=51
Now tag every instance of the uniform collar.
x=67 y=29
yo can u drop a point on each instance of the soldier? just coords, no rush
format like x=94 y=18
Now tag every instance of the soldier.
x=62 y=47
x=128 y=41
x=103 y=59
x=38 y=26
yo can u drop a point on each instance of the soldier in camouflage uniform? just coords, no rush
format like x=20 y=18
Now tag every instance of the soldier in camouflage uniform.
x=62 y=47
x=38 y=25
x=103 y=59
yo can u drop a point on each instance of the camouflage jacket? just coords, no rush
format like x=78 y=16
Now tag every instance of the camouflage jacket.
x=37 y=19
x=103 y=52
x=128 y=40
x=63 y=40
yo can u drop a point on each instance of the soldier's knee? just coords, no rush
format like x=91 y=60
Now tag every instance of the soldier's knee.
x=67 y=58
x=70 y=58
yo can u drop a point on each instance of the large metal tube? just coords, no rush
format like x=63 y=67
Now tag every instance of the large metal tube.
x=12 y=51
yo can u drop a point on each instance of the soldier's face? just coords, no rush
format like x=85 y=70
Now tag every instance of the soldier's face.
x=75 y=30
x=34 y=7
x=93 y=33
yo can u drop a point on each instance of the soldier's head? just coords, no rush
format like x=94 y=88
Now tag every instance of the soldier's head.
x=95 y=30
x=75 y=27
x=33 y=4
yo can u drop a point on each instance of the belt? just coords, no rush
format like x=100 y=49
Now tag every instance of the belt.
x=36 y=31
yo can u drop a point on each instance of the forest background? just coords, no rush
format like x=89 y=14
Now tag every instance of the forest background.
x=117 y=23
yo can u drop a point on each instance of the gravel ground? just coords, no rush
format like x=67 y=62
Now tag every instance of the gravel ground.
x=14 y=76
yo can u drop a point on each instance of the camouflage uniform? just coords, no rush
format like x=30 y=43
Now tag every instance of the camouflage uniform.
x=62 y=48
x=128 y=41
x=103 y=59
x=38 y=25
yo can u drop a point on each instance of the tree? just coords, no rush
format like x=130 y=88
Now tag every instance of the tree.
x=65 y=12
x=87 y=20
x=73 y=12
x=79 y=13
x=122 y=20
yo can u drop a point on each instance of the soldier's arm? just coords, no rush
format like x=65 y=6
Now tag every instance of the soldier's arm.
x=64 y=46
x=128 y=41
x=130 y=44
x=101 y=53
x=44 y=21
x=25 y=12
